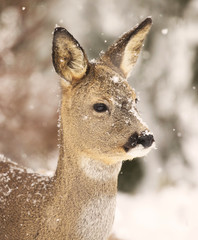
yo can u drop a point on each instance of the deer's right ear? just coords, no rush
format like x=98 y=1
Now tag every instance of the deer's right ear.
x=69 y=59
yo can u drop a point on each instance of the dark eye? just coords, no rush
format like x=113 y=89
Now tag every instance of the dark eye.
x=100 y=107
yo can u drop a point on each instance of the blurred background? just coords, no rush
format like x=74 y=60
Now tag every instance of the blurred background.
x=162 y=188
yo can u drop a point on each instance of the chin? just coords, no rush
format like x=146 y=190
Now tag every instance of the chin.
x=138 y=151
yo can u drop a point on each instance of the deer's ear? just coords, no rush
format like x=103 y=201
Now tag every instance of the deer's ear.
x=69 y=59
x=123 y=54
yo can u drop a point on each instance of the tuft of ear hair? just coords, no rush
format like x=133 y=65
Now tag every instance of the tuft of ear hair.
x=123 y=54
x=69 y=59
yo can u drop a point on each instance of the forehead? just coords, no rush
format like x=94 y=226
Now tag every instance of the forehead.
x=106 y=82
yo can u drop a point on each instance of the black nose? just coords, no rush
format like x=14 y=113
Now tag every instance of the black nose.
x=146 y=140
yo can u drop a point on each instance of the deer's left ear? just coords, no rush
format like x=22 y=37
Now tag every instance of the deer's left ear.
x=123 y=54
x=69 y=59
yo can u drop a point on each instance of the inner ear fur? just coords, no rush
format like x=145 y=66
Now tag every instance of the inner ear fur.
x=123 y=54
x=69 y=59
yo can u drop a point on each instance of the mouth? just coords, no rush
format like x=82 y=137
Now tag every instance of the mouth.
x=144 y=141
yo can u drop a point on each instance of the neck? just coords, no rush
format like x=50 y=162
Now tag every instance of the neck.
x=85 y=194
x=73 y=165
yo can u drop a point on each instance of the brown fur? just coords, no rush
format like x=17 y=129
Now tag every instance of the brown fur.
x=78 y=202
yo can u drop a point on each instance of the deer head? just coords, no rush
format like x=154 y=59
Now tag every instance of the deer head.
x=99 y=117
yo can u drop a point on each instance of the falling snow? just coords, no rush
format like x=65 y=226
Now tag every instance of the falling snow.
x=165 y=31
x=165 y=204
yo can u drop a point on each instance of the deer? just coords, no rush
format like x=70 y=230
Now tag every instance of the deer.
x=100 y=127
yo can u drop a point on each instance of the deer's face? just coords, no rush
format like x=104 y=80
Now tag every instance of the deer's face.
x=99 y=108
x=105 y=122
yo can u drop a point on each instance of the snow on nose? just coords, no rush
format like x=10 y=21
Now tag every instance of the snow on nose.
x=146 y=139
